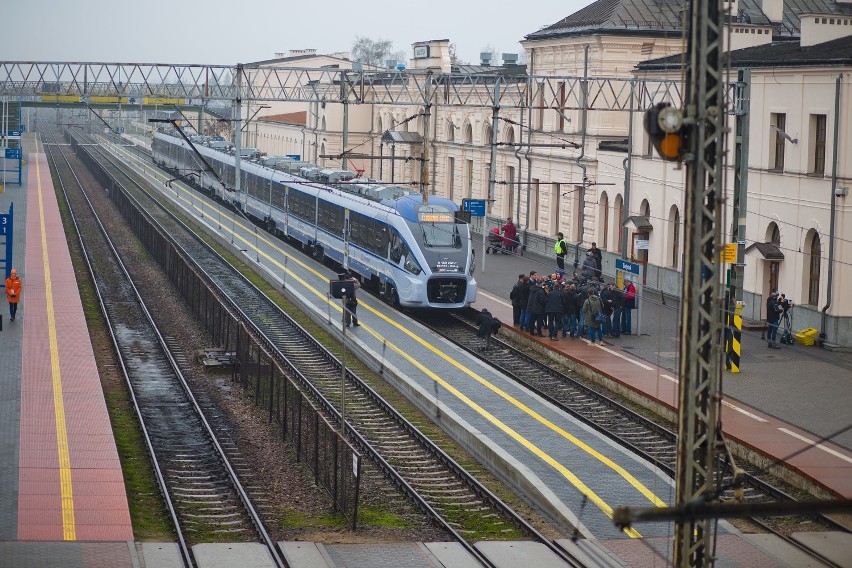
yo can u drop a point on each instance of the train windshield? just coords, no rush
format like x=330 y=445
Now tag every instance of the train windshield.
x=438 y=226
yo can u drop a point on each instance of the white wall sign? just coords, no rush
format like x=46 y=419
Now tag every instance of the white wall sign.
x=421 y=51
x=642 y=244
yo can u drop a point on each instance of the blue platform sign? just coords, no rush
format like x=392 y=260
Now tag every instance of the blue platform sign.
x=297 y=157
x=625 y=266
x=13 y=153
x=6 y=224
x=13 y=133
x=475 y=206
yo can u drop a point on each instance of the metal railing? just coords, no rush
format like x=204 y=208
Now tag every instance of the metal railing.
x=333 y=461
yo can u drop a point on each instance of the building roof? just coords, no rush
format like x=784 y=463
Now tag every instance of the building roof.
x=287 y=118
x=665 y=17
x=516 y=69
x=639 y=223
x=775 y=54
x=769 y=251
x=403 y=137
x=284 y=61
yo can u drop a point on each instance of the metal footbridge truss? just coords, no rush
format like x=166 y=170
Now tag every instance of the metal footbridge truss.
x=191 y=84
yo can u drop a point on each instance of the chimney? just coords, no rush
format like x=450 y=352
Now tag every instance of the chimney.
x=510 y=59
x=819 y=28
x=485 y=58
x=774 y=9
x=433 y=54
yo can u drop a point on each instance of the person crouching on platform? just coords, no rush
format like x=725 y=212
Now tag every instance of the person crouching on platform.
x=488 y=326
x=13 y=293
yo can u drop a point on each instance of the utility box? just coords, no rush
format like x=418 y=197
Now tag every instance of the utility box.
x=807 y=336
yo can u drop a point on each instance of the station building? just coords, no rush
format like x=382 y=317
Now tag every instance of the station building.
x=567 y=172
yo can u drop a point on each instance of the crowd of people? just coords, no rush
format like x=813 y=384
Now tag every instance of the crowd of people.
x=573 y=307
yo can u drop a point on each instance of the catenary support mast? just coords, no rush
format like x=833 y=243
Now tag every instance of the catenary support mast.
x=700 y=324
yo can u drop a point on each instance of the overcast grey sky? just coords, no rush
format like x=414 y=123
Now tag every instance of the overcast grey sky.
x=220 y=32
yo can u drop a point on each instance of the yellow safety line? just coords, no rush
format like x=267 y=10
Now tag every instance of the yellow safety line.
x=69 y=531
x=570 y=476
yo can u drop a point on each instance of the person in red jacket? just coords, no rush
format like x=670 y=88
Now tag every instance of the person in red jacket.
x=13 y=292
x=510 y=234
x=629 y=306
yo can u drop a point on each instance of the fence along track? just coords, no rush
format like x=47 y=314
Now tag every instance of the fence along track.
x=202 y=493
x=313 y=367
x=626 y=427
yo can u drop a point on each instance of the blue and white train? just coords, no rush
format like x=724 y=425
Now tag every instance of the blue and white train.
x=416 y=255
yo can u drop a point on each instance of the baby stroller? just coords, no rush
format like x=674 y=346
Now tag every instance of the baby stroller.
x=495 y=241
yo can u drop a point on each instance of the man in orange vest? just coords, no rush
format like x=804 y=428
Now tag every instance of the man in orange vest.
x=13 y=292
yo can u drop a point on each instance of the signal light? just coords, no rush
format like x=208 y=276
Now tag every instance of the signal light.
x=664 y=125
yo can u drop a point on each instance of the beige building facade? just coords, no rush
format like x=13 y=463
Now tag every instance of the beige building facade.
x=557 y=168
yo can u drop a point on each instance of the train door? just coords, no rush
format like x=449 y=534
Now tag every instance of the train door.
x=285 y=229
x=346 y=233
x=399 y=257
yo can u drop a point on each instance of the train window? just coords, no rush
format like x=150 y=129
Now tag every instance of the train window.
x=411 y=264
x=438 y=226
x=381 y=238
x=397 y=248
x=302 y=205
x=443 y=235
x=330 y=217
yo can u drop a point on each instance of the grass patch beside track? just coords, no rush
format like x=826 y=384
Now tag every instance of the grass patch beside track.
x=148 y=515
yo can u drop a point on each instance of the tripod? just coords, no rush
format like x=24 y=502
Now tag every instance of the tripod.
x=786 y=326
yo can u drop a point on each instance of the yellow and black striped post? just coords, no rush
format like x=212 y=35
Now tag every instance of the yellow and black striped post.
x=736 y=338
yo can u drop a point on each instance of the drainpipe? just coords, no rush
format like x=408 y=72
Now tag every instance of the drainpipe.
x=834 y=153
x=517 y=212
x=628 y=167
x=529 y=147
x=581 y=205
x=433 y=143
x=372 y=138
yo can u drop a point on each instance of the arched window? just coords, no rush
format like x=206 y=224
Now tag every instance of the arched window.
x=468 y=133
x=814 y=259
x=674 y=237
x=451 y=131
x=379 y=125
x=488 y=136
x=603 y=220
x=645 y=209
x=510 y=135
x=322 y=151
x=773 y=234
x=323 y=124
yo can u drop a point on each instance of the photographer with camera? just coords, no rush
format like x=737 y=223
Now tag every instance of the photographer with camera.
x=773 y=316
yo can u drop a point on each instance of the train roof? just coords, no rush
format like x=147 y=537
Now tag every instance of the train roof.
x=408 y=205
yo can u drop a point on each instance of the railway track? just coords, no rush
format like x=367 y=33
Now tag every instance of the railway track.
x=395 y=447
x=641 y=435
x=202 y=491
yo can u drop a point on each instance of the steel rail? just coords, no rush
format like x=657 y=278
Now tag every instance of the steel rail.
x=383 y=405
x=222 y=456
x=749 y=477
